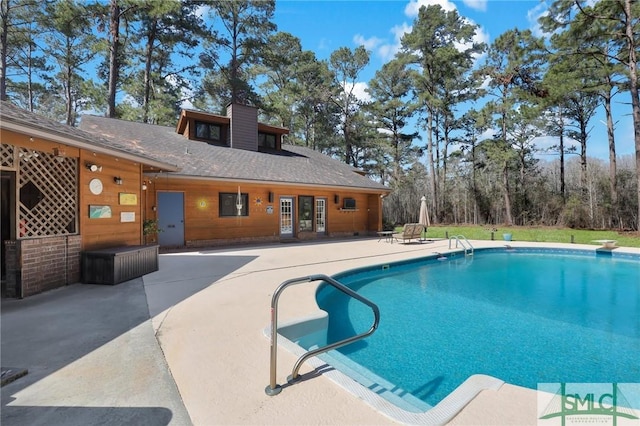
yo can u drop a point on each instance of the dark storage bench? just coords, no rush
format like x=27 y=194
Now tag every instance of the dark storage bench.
x=119 y=264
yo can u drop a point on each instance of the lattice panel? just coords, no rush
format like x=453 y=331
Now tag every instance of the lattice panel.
x=7 y=157
x=48 y=194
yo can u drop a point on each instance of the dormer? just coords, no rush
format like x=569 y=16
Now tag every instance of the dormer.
x=240 y=129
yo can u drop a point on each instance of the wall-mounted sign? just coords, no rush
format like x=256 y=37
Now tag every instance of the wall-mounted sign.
x=127 y=216
x=128 y=199
x=95 y=186
x=99 y=212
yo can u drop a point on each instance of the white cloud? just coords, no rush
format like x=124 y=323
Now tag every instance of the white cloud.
x=388 y=51
x=480 y=5
x=359 y=90
x=324 y=44
x=202 y=11
x=546 y=143
x=487 y=134
x=369 y=44
x=128 y=99
x=533 y=15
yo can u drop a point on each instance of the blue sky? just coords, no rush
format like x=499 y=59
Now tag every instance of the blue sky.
x=326 y=25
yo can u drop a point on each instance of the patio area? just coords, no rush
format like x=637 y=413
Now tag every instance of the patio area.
x=215 y=345
x=208 y=311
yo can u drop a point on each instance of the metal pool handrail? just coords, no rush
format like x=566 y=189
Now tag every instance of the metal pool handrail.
x=463 y=242
x=273 y=388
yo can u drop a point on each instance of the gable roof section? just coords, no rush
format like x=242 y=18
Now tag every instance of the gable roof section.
x=26 y=122
x=186 y=114
x=293 y=165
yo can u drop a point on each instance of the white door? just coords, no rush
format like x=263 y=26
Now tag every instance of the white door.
x=321 y=215
x=286 y=217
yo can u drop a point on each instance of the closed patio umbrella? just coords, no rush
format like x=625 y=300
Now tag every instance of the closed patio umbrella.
x=424 y=214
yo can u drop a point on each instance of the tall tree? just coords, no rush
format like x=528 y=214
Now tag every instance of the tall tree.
x=441 y=45
x=71 y=44
x=238 y=43
x=283 y=57
x=116 y=57
x=346 y=66
x=164 y=32
x=22 y=63
x=473 y=124
x=317 y=114
x=617 y=21
x=392 y=107
x=591 y=47
x=513 y=66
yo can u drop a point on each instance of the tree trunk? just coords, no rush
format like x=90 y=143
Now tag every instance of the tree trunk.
x=114 y=66
x=583 y=160
x=635 y=100
x=505 y=167
x=4 y=18
x=612 y=158
x=67 y=89
x=507 y=197
x=434 y=190
x=147 y=71
x=562 y=186
x=30 y=78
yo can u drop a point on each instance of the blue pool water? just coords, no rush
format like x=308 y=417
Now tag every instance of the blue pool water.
x=524 y=316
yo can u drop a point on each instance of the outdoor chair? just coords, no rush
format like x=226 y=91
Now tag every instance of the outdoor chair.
x=410 y=231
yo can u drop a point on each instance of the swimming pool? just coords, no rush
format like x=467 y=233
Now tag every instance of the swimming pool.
x=525 y=316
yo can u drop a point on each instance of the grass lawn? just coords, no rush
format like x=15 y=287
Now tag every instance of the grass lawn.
x=538 y=234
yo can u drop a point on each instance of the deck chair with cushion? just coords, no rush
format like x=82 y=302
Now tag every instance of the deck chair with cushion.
x=410 y=231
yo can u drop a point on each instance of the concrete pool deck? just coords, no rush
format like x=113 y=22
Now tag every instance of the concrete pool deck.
x=208 y=310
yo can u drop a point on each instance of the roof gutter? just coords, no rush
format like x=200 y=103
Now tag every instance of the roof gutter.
x=9 y=124
x=383 y=190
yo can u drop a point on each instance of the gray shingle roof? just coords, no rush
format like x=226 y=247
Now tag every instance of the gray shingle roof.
x=294 y=164
x=11 y=114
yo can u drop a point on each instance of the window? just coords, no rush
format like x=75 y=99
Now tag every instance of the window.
x=228 y=201
x=305 y=213
x=349 y=204
x=267 y=140
x=208 y=131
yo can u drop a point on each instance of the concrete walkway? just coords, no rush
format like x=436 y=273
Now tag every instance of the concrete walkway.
x=92 y=359
x=187 y=345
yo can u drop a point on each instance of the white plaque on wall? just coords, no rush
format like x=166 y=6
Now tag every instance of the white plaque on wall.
x=127 y=216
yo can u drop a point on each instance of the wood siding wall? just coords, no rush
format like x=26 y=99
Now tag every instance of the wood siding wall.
x=244 y=126
x=105 y=232
x=203 y=224
x=111 y=231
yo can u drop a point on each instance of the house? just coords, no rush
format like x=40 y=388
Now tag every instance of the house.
x=239 y=182
x=64 y=191
x=211 y=180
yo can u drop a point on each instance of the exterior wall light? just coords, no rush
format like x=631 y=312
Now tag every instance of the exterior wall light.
x=93 y=167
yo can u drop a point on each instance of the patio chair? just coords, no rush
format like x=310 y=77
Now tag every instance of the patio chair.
x=410 y=231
